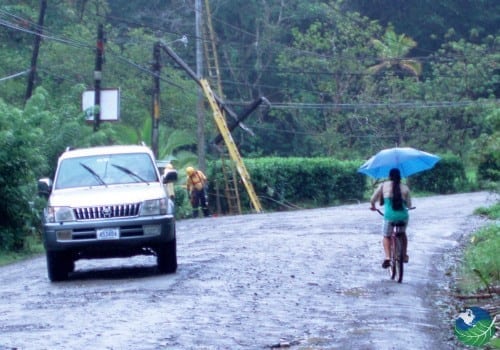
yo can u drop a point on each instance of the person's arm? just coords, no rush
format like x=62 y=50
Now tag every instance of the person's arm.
x=408 y=199
x=376 y=196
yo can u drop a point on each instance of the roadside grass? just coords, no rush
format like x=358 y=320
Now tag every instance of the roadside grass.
x=33 y=246
x=480 y=268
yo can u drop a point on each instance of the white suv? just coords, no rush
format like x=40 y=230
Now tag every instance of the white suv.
x=107 y=202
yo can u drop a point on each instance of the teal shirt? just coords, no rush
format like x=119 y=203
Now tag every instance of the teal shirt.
x=394 y=215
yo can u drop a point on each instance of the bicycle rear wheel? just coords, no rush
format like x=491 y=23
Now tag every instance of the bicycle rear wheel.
x=393 y=263
x=399 y=261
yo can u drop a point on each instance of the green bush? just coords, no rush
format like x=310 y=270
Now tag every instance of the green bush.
x=292 y=182
x=488 y=171
x=492 y=212
x=447 y=176
x=183 y=208
x=481 y=268
x=20 y=158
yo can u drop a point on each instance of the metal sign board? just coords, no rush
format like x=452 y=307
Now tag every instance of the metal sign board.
x=109 y=106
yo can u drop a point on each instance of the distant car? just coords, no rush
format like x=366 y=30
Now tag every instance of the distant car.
x=107 y=202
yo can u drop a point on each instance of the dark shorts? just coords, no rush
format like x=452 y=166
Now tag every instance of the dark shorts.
x=387 y=228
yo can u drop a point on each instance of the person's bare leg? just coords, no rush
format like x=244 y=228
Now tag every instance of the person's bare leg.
x=386 y=242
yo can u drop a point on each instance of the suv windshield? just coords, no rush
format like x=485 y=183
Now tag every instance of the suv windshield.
x=103 y=170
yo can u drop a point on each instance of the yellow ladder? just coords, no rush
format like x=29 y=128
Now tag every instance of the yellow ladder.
x=231 y=146
x=231 y=192
x=209 y=45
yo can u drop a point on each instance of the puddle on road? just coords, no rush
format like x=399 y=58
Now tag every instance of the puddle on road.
x=355 y=292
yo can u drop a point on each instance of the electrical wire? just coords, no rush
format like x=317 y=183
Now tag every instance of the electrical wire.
x=401 y=105
x=79 y=44
x=279 y=47
x=353 y=135
x=242 y=68
x=15 y=75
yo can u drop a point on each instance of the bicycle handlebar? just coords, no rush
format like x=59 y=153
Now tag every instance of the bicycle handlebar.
x=382 y=213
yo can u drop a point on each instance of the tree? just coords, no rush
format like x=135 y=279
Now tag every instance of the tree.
x=392 y=81
x=428 y=21
x=323 y=66
x=392 y=49
x=20 y=160
x=463 y=74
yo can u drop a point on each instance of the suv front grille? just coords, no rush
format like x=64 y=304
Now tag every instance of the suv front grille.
x=107 y=211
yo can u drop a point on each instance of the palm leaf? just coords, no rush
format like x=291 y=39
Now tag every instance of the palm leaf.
x=412 y=66
x=170 y=142
x=378 y=67
x=126 y=134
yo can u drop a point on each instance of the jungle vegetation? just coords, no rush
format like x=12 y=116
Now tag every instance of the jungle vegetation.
x=344 y=79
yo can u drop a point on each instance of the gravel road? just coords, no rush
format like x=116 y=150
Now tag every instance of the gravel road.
x=307 y=279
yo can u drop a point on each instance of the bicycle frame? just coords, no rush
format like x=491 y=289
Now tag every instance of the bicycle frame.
x=397 y=253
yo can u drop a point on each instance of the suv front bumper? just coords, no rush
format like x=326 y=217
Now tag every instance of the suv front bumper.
x=133 y=234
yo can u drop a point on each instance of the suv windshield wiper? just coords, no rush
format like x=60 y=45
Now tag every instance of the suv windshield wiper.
x=130 y=172
x=97 y=177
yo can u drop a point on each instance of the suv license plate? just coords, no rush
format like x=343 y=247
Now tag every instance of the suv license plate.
x=108 y=233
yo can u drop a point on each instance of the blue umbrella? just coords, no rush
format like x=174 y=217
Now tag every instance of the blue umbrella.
x=408 y=160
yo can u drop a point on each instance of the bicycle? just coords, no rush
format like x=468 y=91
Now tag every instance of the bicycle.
x=397 y=253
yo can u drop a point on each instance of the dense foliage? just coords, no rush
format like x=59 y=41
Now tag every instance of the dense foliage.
x=447 y=176
x=481 y=268
x=343 y=78
x=295 y=182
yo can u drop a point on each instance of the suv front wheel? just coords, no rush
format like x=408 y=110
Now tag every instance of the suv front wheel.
x=59 y=265
x=166 y=255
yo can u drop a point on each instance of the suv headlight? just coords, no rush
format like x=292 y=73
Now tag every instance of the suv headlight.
x=154 y=207
x=59 y=214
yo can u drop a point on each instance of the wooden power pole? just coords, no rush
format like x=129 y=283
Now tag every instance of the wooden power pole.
x=200 y=110
x=98 y=76
x=36 y=48
x=156 y=98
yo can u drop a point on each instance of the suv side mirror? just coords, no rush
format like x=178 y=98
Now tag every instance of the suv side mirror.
x=44 y=187
x=171 y=176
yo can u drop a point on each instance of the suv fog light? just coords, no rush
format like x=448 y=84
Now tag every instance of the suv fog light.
x=152 y=230
x=64 y=235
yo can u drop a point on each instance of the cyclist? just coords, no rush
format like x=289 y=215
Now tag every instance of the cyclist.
x=395 y=196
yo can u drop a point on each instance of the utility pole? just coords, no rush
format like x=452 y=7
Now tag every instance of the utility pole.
x=98 y=76
x=36 y=48
x=156 y=98
x=200 y=111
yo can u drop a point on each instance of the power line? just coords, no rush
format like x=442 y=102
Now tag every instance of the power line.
x=401 y=105
x=374 y=133
x=15 y=75
x=279 y=47
x=62 y=40
x=80 y=44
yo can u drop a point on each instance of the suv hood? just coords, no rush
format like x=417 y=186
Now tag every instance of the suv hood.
x=101 y=195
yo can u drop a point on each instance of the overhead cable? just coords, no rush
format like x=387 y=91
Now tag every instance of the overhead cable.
x=15 y=75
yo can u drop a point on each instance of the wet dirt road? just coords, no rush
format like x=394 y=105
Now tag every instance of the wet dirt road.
x=305 y=279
